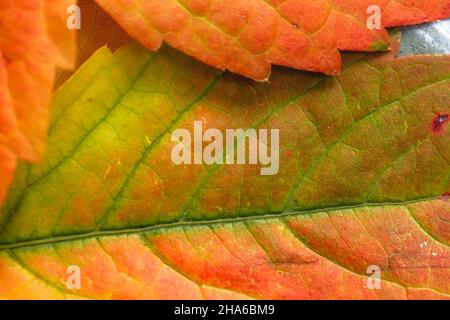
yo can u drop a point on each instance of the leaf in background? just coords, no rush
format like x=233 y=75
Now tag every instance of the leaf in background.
x=247 y=36
x=97 y=30
x=360 y=182
x=34 y=40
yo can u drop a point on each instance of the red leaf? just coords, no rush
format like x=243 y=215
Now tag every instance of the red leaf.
x=247 y=36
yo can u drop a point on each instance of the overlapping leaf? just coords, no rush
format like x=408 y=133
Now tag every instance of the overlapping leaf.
x=361 y=176
x=247 y=36
x=98 y=30
x=34 y=40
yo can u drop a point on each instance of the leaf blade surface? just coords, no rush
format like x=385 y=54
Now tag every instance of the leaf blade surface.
x=247 y=36
x=360 y=184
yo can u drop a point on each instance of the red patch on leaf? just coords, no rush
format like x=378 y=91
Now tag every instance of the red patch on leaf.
x=6 y=60
x=439 y=122
x=445 y=196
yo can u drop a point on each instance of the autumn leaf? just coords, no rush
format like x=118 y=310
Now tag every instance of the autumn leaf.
x=98 y=29
x=34 y=40
x=247 y=36
x=363 y=165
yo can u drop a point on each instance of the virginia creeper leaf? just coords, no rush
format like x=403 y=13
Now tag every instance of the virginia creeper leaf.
x=247 y=36
x=98 y=29
x=34 y=40
x=361 y=176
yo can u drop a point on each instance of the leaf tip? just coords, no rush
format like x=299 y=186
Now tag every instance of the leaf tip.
x=379 y=45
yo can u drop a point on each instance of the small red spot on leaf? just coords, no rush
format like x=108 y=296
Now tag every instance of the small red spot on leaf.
x=6 y=60
x=445 y=196
x=439 y=122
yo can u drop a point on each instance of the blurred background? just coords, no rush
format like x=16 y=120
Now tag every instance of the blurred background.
x=426 y=38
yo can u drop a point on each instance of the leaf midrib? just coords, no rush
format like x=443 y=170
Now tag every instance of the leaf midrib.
x=200 y=223
x=99 y=232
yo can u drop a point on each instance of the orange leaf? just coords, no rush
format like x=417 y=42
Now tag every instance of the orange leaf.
x=247 y=36
x=34 y=40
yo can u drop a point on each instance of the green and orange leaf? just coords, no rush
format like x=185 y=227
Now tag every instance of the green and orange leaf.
x=361 y=176
x=34 y=40
x=247 y=36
